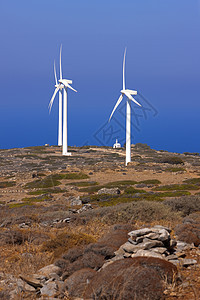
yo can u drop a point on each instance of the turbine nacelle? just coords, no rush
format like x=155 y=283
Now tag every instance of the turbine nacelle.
x=65 y=81
x=61 y=86
x=131 y=92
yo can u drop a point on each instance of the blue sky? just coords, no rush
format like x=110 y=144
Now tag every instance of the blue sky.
x=162 y=63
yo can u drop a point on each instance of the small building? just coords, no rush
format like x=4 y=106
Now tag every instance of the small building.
x=117 y=145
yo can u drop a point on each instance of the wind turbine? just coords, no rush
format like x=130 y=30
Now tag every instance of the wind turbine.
x=59 y=88
x=128 y=94
x=63 y=84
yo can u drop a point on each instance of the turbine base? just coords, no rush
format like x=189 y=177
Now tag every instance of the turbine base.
x=67 y=154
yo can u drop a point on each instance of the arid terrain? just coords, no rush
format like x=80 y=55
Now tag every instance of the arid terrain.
x=56 y=210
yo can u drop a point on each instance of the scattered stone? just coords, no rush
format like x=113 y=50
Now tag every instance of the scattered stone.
x=46 y=271
x=32 y=281
x=74 y=201
x=188 y=262
x=147 y=253
x=139 y=232
x=49 y=289
x=113 y=191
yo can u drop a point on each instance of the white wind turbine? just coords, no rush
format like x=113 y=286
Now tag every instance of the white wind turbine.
x=128 y=94
x=63 y=84
x=59 y=88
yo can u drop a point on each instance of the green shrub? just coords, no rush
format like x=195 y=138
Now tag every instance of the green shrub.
x=83 y=183
x=5 y=184
x=43 y=183
x=30 y=201
x=175 y=169
x=174 y=160
x=192 y=181
x=175 y=187
x=47 y=191
x=132 y=190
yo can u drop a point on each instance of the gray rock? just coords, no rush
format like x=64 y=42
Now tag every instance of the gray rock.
x=161 y=250
x=153 y=236
x=32 y=281
x=148 y=244
x=130 y=248
x=46 y=271
x=164 y=235
x=181 y=246
x=113 y=191
x=176 y=262
x=84 y=208
x=145 y=245
x=172 y=257
x=162 y=227
x=132 y=242
x=74 y=201
x=49 y=289
x=23 y=286
x=188 y=262
x=139 y=232
x=147 y=253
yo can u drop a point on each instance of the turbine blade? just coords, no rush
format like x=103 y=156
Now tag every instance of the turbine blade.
x=132 y=99
x=116 y=105
x=69 y=86
x=124 y=69
x=60 y=62
x=55 y=73
x=64 y=82
x=53 y=97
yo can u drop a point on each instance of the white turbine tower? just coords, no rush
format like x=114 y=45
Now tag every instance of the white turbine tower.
x=63 y=84
x=128 y=94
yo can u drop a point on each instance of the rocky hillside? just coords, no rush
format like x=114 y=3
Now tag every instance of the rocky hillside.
x=88 y=227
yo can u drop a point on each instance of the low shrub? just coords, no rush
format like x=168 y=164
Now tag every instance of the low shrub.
x=132 y=190
x=175 y=187
x=5 y=184
x=189 y=153
x=142 y=146
x=192 y=181
x=30 y=201
x=175 y=169
x=145 y=211
x=185 y=205
x=174 y=160
x=84 y=183
x=47 y=191
x=42 y=183
x=64 y=241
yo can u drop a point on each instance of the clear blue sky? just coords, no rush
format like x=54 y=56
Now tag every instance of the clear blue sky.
x=163 y=64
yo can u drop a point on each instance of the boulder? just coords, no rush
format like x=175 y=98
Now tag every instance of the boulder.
x=46 y=271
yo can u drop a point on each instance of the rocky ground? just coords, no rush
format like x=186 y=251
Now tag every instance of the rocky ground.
x=88 y=227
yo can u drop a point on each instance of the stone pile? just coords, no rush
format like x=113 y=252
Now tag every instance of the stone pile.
x=153 y=242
